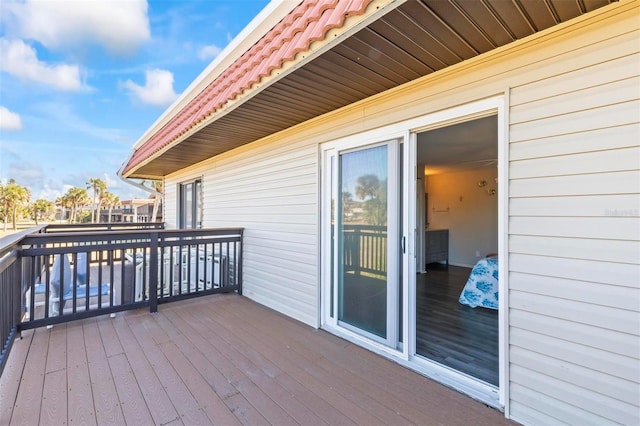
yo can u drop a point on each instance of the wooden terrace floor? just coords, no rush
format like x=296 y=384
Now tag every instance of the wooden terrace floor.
x=219 y=359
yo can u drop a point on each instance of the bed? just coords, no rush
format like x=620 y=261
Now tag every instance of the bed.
x=482 y=286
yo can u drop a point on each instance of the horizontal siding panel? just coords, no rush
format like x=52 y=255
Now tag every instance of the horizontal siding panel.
x=299 y=262
x=273 y=247
x=621 y=274
x=302 y=228
x=585 y=400
x=576 y=248
x=616 y=160
x=267 y=196
x=267 y=209
x=283 y=295
x=608 y=296
x=268 y=151
x=297 y=271
x=575 y=143
x=302 y=183
x=571 y=55
x=623 y=344
x=612 y=183
x=278 y=281
x=260 y=171
x=586 y=356
x=617 y=92
x=605 y=228
x=596 y=206
x=616 y=319
x=264 y=237
x=597 y=118
x=553 y=412
x=615 y=69
x=251 y=219
x=615 y=387
x=526 y=414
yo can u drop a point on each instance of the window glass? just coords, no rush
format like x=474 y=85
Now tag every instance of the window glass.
x=190 y=204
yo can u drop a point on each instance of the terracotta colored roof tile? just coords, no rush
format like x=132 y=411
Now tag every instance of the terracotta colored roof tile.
x=308 y=22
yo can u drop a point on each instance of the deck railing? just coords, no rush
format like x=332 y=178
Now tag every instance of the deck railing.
x=365 y=249
x=60 y=273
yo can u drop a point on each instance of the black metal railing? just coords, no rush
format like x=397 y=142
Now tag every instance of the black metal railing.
x=68 y=272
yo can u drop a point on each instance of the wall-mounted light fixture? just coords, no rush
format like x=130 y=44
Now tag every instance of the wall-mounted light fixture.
x=491 y=191
x=481 y=183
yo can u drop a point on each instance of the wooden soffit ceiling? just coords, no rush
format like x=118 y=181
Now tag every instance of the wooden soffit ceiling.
x=415 y=39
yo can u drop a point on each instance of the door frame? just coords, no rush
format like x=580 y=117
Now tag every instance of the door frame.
x=330 y=155
x=407 y=131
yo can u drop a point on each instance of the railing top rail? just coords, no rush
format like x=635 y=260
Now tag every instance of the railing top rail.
x=9 y=242
x=59 y=227
x=129 y=234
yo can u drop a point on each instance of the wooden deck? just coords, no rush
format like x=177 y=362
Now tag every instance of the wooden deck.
x=219 y=359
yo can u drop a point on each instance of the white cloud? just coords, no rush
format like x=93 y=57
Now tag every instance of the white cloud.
x=157 y=89
x=19 y=59
x=120 y=26
x=208 y=52
x=9 y=120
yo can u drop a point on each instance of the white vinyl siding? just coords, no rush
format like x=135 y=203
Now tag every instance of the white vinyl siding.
x=574 y=235
x=573 y=315
x=270 y=190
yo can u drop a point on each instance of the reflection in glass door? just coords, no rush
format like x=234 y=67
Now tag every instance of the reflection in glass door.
x=366 y=241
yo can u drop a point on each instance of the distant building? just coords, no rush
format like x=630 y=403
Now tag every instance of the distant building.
x=135 y=210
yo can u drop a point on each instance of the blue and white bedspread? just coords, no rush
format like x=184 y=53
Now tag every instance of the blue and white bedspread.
x=482 y=286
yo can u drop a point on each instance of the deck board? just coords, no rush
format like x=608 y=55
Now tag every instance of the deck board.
x=105 y=396
x=11 y=377
x=159 y=404
x=216 y=360
x=54 y=402
x=29 y=398
x=80 y=406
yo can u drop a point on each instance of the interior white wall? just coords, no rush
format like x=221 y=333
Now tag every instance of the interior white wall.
x=458 y=204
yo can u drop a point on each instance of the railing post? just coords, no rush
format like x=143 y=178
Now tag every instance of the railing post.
x=153 y=273
x=18 y=304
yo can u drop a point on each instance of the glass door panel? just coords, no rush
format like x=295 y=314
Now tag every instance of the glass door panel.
x=366 y=241
x=362 y=209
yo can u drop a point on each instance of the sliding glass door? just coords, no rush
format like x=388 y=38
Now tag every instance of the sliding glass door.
x=365 y=247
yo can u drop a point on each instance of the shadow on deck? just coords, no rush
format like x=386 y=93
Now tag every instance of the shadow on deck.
x=216 y=359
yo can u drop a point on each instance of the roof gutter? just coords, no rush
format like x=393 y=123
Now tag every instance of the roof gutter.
x=130 y=181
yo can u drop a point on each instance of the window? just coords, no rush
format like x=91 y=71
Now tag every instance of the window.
x=190 y=204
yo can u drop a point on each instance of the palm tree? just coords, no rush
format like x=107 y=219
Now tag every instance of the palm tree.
x=110 y=200
x=77 y=197
x=374 y=193
x=99 y=187
x=41 y=209
x=64 y=203
x=12 y=197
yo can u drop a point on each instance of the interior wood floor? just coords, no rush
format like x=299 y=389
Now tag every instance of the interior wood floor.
x=452 y=334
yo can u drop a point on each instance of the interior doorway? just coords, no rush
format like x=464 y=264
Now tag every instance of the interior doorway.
x=457 y=283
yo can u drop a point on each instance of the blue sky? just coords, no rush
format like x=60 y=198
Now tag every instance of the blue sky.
x=81 y=80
